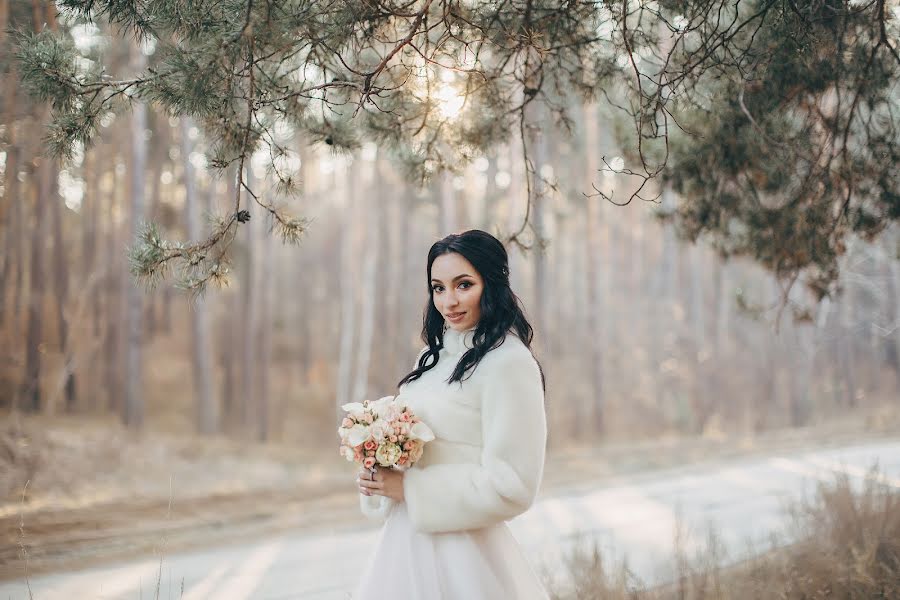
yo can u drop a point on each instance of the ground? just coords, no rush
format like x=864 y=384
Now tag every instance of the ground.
x=97 y=492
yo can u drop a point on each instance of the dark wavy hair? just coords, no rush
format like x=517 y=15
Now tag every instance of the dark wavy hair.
x=501 y=309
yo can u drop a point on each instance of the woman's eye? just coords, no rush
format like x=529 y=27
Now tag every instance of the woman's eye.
x=466 y=283
x=435 y=288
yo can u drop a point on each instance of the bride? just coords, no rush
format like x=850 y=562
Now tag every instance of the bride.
x=479 y=388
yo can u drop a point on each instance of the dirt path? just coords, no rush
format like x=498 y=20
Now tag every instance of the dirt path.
x=60 y=540
x=55 y=539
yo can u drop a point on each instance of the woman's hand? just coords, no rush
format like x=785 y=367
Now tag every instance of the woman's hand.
x=385 y=482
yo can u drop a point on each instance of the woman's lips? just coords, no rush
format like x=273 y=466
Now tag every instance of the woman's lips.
x=456 y=317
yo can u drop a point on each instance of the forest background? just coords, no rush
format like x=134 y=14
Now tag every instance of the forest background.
x=654 y=320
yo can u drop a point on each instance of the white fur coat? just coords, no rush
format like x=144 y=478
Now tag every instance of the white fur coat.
x=487 y=459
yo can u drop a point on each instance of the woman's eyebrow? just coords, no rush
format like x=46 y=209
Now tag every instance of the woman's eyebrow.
x=454 y=279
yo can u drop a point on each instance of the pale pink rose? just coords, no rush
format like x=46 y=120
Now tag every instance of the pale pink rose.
x=369 y=462
x=367 y=418
x=409 y=445
x=404 y=417
x=416 y=454
x=370 y=453
x=402 y=460
x=370 y=445
x=346 y=422
x=393 y=438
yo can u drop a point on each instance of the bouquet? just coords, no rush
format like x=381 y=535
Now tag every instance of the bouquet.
x=383 y=432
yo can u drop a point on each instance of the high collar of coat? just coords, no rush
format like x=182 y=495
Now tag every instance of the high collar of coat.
x=458 y=342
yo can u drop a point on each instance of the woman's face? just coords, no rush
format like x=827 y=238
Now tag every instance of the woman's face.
x=456 y=289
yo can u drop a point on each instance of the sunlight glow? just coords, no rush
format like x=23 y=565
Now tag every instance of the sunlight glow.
x=449 y=101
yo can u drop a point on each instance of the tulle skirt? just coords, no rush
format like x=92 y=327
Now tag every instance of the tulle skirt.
x=478 y=564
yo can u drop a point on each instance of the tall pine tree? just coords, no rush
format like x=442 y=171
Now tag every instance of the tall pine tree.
x=775 y=119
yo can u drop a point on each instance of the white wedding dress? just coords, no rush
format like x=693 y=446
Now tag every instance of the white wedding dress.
x=449 y=539
x=476 y=564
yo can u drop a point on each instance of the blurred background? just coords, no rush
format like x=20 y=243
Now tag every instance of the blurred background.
x=656 y=350
x=641 y=334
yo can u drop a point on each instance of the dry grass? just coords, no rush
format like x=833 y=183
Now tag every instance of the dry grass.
x=846 y=545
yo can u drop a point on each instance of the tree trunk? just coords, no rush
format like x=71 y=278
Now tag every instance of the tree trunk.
x=21 y=258
x=90 y=231
x=11 y=169
x=538 y=151
x=370 y=302
x=250 y=283
x=389 y=248
x=596 y=298
x=348 y=270
x=229 y=341
x=205 y=409
x=61 y=288
x=845 y=350
x=10 y=224
x=133 y=415
x=700 y=355
x=37 y=14
x=891 y=242
x=490 y=194
x=305 y=315
x=265 y=339
x=34 y=344
x=113 y=297
x=44 y=188
x=449 y=205
x=407 y=303
x=806 y=339
x=151 y=321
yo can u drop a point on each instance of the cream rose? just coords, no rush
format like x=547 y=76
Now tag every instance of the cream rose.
x=387 y=454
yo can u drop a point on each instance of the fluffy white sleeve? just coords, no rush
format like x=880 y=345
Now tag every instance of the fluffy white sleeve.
x=450 y=497
x=377 y=508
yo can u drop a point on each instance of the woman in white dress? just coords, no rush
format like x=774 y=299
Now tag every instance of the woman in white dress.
x=479 y=388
